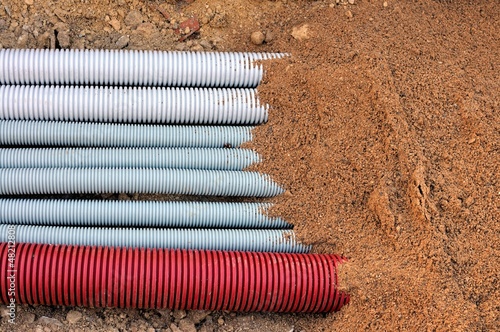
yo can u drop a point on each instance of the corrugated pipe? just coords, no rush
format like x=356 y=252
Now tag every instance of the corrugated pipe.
x=132 y=105
x=174 y=279
x=121 y=135
x=26 y=181
x=266 y=240
x=138 y=214
x=181 y=158
x=144 y=68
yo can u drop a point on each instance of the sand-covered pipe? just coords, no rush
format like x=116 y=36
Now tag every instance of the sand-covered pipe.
x=265 y=240
x=132 y=104
x=32 y=181
x=132 y=67
x=170 y=214
x=174 y=279
x=180 y=158
x=55 y=133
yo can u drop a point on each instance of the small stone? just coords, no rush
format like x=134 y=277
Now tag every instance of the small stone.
x=63 y=38
x=133 y=19
x=269 y=37
x=174 y=328
x=220 y=321
x=386 y=4
x=123 y=41
x=164 y=312
x=187 y=325
x=123 y=197
x=146 y=29
x=197 y=316
x=197 y=48
x=115 y=24
x=4 y=312
x=179 y=314
x=351 y=2
x=73 y=316
x=150 y=329
x=22 y=41
x=29 y=2
x=49 y=321
x=29 y=317
x=257 y=37
x=348 y=14
x=301 y=32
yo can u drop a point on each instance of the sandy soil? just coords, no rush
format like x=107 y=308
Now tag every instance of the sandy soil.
x=385 y=130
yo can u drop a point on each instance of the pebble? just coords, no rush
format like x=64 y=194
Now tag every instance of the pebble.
x=29 y=2
x=29 y=317
x=133 y=19
x=386 y=4
x=187 y=325
x=174 y=328
x=49 y=321
x=73 y=316
x=123 y=42
x=164 y=312
x=197 y=316
x=179 y=314
x=348 y=14
x=146 y=29
x=351 y=2
x=257 y=37
x=301 y=32
x=115 y=24
x=63 y=38
x=269 y=37
x=220 y=321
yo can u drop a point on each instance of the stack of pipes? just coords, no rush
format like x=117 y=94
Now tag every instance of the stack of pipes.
x=96 y=122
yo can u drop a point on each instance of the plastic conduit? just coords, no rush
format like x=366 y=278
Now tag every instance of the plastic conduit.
x=174 y=279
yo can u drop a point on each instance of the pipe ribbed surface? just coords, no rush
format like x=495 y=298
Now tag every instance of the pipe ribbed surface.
x=174 y=279
x=265 y=240
x=181 y=158
x=132 y=105
x=121 y=135
x=138 y=214
x=146 y=68
x=25 y=181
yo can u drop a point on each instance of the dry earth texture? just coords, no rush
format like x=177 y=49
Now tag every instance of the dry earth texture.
x=384 y=128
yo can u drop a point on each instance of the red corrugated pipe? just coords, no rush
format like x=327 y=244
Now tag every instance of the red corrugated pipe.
x=175 y=279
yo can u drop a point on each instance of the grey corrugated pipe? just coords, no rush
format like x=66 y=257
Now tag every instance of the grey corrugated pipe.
x=202 y=239
x=175 y=214
x=181 y=158
x=25 y=181
x=132 y=105
x=121 y=135
x=139 y=68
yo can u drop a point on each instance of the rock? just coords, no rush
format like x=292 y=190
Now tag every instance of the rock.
x=301 y=32
x=164 y=313
x=133 y=19
x=4 y=312
x=123 y=197
x=220 y=321
x=123 y=41
x=348 y=14
x=49 y=321
x=29 y=317
x=22 y=41
x=174 y=328
x=179 y=314
x=351 y=2
x=150 y=329
x=386 y=4
x=115 y=24
x=197 y=48
x=73 y=316
x=63 y=38
x=191 y=23
x=269 y=37
x=29 y=2
x=197 y=316
x=257 y=37
x=187 y=325
x=146 y=29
